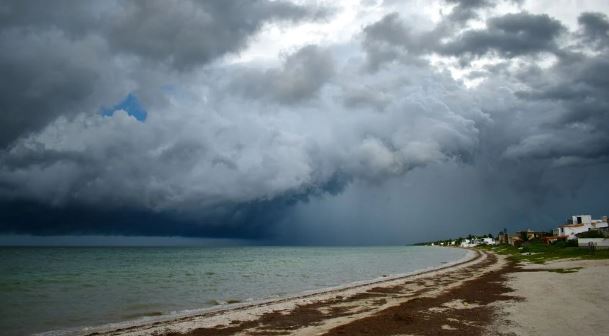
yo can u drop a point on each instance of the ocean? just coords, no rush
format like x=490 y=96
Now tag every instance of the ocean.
x=59 y=288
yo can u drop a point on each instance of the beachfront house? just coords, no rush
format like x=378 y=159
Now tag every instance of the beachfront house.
x=530 y=234
x=515 y=240
x=477 y=241
x=578 y=224
x=488 y=241
x=467 y=243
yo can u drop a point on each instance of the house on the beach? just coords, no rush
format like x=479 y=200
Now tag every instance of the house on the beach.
x=596 y=243
x=578 y=224
x=531 y=234
x=468 y=243
x=488 y=241
x=515 y=239
x=477 y=241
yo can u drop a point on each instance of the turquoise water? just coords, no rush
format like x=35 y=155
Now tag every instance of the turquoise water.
x=43 y=289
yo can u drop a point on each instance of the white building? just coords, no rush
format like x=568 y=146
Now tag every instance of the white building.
x=579 y=224
x=488 y=241
x=468 y=243
x=599 y=243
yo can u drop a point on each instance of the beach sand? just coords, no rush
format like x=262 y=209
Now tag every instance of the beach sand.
x=485 y=295
x=555 y=303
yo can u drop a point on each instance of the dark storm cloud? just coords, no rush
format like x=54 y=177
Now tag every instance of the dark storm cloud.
x=390 y=39
x=542 y=121
x=301 y=76
x=466 y=9
x=595 y=28
x=41 y=79
x=190 y=33
x=232 y=150
x=510 y=35
x=67 y=57
x=254 y=220
x=81 y=18
x=309 y=145
x=182 y=34
x=578 y=91
x=24 y=217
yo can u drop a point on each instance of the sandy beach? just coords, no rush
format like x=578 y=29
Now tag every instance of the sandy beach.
x=485 y=295
x=564 y=297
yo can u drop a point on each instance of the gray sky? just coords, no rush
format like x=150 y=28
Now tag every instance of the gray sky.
x=309 y=122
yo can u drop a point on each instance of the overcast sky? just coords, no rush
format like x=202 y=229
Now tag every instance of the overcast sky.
x=307 y=122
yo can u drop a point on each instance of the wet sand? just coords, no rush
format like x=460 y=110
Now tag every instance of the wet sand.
x=486 y=295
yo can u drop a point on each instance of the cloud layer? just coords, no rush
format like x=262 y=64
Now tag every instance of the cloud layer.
x=263 y=149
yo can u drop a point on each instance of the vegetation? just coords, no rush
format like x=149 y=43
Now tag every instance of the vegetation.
x=536 y=251
x=565 y=270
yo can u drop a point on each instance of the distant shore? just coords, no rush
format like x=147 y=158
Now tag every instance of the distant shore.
x=484 y=295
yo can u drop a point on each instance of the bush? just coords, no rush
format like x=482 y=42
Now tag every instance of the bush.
x=560 y=243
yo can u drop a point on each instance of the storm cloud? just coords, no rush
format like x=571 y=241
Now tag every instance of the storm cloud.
x=509 y=36
x=67 y=57
x=347 y=138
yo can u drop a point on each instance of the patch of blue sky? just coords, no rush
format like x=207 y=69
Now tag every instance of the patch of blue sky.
x=131 y=105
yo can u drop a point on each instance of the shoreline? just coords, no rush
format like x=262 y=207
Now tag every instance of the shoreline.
x=215 y=317
x=484 y=293
x=254 y=304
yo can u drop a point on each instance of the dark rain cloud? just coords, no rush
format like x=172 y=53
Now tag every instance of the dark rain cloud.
x=67 y=57
x=467 y=9
x=26 y=217
x=392 y=39
x=301 y=76
x=376 y=148
x=595 y=29
x=509 y=36
x=575 y=90
x=46 y=75
x=186 y=34
x=182 y=34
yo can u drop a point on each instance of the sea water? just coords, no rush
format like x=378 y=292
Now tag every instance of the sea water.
x=55 y=288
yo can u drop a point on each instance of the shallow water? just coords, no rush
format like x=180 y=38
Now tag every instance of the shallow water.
x=44 y=289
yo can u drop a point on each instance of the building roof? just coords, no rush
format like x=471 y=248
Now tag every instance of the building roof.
x=571 y=225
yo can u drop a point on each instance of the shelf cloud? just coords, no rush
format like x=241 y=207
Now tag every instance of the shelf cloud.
x=275 y=120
